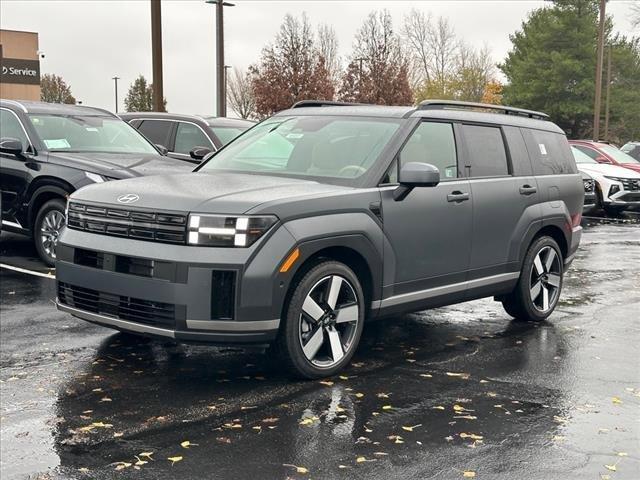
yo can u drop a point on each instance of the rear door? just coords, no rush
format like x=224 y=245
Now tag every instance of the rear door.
x=429 y=232
x=505 y=200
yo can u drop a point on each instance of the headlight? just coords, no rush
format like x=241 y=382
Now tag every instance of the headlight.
x=94 y=177
x=227 y=231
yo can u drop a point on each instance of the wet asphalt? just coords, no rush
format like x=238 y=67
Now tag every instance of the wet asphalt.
x=444 y=394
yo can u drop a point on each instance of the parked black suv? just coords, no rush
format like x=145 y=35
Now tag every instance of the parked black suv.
x=187 y=137
x=48 y=151
x=326 y=215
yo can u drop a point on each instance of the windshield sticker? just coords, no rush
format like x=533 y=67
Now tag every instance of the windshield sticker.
x=295 y=136
x=543 y=149
x=91 y=129
x=57 y=143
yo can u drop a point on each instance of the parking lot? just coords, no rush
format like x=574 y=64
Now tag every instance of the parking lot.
x=448 y=393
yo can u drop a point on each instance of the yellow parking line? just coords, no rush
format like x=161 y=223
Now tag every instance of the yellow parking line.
x=28 y=272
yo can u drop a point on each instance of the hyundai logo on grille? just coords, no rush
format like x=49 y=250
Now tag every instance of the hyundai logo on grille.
x=128 y=198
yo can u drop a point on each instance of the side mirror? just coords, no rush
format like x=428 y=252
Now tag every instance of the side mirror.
x=11 y=146
x=415 y=174
x=198 y=153
x=602 y=159
x=163 y=150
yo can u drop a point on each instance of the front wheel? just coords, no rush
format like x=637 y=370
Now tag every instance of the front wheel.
x=323 y=321
x=46 y=229
x=538 y=290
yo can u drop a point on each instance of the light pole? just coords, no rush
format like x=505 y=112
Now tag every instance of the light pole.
x=599 y=62
x=221 y=99
x=115 y=81
x=226 y=83
x=156 y=54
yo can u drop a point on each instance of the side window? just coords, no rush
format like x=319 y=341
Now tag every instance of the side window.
x=433 y=143
x=10 y=127
x=550 y=152
x=488 y=157
x=157 y=131
x=391 y=177
x=517 y=151
x=587 y=151
x=189 y=136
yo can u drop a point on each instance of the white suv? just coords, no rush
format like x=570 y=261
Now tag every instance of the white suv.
x=617 y=188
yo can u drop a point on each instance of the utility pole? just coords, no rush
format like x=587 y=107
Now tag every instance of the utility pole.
x=606 y=106
x=599 y=62
x=221 y=99
x=115 y=81
x=156 y=53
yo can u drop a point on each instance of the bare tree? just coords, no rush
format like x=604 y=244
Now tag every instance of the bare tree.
x=635 y=14
x=328 y=49
x=240 y=94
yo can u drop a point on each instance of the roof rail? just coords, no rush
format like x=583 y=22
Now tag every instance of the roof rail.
x=323 y=103
x=457 y=105
x=13 y=102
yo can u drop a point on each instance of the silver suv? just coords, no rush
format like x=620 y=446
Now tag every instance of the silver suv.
x=324 y=216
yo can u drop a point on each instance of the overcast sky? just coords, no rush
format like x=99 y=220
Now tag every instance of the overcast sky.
x=89 y=42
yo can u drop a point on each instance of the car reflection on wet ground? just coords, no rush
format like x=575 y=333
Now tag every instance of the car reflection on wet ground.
x=448 y=393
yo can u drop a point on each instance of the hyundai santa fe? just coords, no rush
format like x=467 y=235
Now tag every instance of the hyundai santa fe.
x=325 y=215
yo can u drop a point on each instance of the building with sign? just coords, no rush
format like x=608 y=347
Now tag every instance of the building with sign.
x=20 y=65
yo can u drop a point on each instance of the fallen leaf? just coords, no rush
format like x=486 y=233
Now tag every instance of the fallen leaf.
x=611 y=467
x=410 y=429
x=343 y=377
x=469 y=474
x=616 y=400
x=146 y=455
x=187 y=444
x=359 y=395
x=464 y=376
x=426 y=375
x=361 y=459
x=622 y=454
x=298 y=469
x=466 y=417
x=387 y=407
x=472 y=436
x=438 y=407
x=328 y=383
x=174 y=460
x=270 y=420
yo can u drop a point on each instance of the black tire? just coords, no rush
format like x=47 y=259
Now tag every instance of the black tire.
x=45 y=250
x=614 y=211
x=289 y=344
x=519 y=303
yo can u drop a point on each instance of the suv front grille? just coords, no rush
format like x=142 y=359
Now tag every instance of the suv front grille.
x=118 y=306
x=629 y=184
x=119 y=222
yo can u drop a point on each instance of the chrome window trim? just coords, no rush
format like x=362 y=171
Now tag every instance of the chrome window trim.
x=144 y=119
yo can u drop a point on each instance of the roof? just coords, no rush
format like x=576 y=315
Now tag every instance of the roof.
x=459 y=111
x=55 y=108
x=210 y=119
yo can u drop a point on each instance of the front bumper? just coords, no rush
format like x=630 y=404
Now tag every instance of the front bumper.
x=174 y=291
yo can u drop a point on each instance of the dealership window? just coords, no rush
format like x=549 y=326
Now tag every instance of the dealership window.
x=488 y=157
x=189 y=136
x=433 y=143
x=157 y=131
x=550 y=152
x=10 y=127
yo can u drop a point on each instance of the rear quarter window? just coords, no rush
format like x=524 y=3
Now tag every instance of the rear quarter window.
x=550 y=153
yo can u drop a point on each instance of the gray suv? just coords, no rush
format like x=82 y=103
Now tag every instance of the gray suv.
x=325 y=215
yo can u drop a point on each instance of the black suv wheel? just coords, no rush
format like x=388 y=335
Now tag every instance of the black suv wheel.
x=538 y=290
x=323 y=321
x=46 y=229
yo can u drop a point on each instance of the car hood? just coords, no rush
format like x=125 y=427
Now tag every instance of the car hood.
x=607 y=170
x=631 y=166
x=121 y=165
x=230 y=193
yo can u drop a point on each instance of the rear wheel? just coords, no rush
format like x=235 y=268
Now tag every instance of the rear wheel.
x=323 y=321
x=46 y=229
x=538 y=290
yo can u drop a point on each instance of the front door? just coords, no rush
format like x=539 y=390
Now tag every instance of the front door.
x=429 y=232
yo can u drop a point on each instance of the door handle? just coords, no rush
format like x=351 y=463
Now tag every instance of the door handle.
x=527 y=190
x=458 y=196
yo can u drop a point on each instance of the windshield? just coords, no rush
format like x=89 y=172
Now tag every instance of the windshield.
x=618 y=155
x=581 y=157
x=86 y=133
x=336 y=149
x=226 y=134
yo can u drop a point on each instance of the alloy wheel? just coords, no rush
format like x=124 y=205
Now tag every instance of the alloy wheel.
x=52 y=223
x=545 y=279
x=329 y=321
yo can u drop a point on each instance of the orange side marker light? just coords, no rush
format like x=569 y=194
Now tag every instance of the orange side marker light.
x=290 y=261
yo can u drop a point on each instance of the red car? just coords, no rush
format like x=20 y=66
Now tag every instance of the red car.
x=605 y=153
